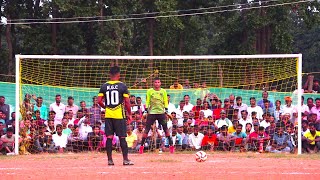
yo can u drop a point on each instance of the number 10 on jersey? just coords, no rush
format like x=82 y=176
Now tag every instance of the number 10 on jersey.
x=112 y=98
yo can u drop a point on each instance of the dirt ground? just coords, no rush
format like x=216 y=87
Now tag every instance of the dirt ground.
x=161 y=166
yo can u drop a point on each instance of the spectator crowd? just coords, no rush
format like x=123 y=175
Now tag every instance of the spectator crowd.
x=211 y=124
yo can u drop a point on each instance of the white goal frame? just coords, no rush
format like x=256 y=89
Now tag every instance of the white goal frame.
x=18 y=59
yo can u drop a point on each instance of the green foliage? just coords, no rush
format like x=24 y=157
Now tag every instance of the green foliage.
x=281 y=29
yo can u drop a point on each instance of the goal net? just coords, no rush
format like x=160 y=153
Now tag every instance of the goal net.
x=208 y=76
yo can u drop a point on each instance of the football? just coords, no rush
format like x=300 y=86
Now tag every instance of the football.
x=201 y=156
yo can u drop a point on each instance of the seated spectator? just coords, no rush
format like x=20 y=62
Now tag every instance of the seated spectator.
x=209 y=141
x=95 y=139
x=235 y=115
x=179 y=112
x=266 y=120
x=24 y=140
x=85 y=129
x=38 y=120
x=258 y=139
x=67 y=131
x=176 y=85
x=59 y=139
x=248 y=129
x=44 y=138
x=207 y=112
x=81 y=116
x=223 y=120
x=195 y=139
x=233 y=127
x=286 y=120
x=279 y=142
x=51 y=127
x=10 y=122
x=244 y=120
x=176 y=139
x=131 y=139
x=7 y=141
x=75 y=140
x=184 y=137
x=2 y=129
x=312 y=139
x=197 y=108
x=217 y=111
x=226 y=140
x=240 y=137
x=201 y=121
x=270 y=130
x=293 y=138
x=139 y=132
x=228 y=108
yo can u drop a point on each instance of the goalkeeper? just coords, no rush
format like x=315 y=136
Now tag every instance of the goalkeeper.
x=156 y=109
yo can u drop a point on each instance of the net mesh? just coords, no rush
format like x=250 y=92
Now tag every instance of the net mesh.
x=81 y=78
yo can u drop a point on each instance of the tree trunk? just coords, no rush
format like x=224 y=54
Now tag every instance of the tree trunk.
x=9 y=44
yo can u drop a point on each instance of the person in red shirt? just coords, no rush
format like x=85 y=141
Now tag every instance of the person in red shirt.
x=257 y=137
x=197 y=108
x=209 y=141
x=217 y=111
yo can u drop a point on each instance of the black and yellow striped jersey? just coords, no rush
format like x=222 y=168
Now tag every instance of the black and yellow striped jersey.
x=114 y=93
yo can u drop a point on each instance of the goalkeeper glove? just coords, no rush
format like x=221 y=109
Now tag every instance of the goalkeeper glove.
x=145 y=111
x=166 y=110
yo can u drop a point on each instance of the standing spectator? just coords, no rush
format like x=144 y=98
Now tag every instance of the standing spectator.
x=188 y=106
x=245 y=119
x=217 y=111
x=315 y=85
x=226 y=140
x=5 y=107
x=139 y=107
x=171 y=107
x=176 y=85
x=83 y=106
x=232 y=100
x=310 y=103
x=267 y=108
x=316 y=108
x=239 y=105
x=279 y=142
x=304 y=110
x=60 y=140
x=312 y=139
x=59 y=108
x=95 y=139
x=42 y=108
x=95 y=112
x=186 y=84
x=264 y=98
x=254 y=108
x=288 y=108
x=195 y=139
x=71 y=106
x=197 y=108
x=227 y=107
x=278 y=111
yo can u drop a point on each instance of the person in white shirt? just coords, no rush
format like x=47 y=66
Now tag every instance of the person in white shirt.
x=223 y=121
x=195 y=139
x=266 y=121
x=278 y=111
x=304 y=110
x=71 y=106
x=239 y=105
x=59 y=139
x=289 y=108
x=188 y=106
x=59 y=108
x=138 y=106
x=85 y=128
x=171 y=107
x=207 y=112
x=244 y=120
x=254 y=108
x=179 y=111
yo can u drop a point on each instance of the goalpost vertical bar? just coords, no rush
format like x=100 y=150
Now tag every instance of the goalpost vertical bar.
x=17 y=124
x=299 y=102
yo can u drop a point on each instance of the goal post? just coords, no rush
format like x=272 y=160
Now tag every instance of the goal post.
x=81 y=76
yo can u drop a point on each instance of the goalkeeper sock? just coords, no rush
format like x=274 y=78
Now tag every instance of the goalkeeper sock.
x=124 y=148
x=109 y=148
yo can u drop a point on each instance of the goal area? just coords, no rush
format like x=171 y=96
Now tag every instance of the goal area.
x=209 y=76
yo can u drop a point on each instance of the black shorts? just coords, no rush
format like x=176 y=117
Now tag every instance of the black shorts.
x=151 y=118
x=118 y=126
